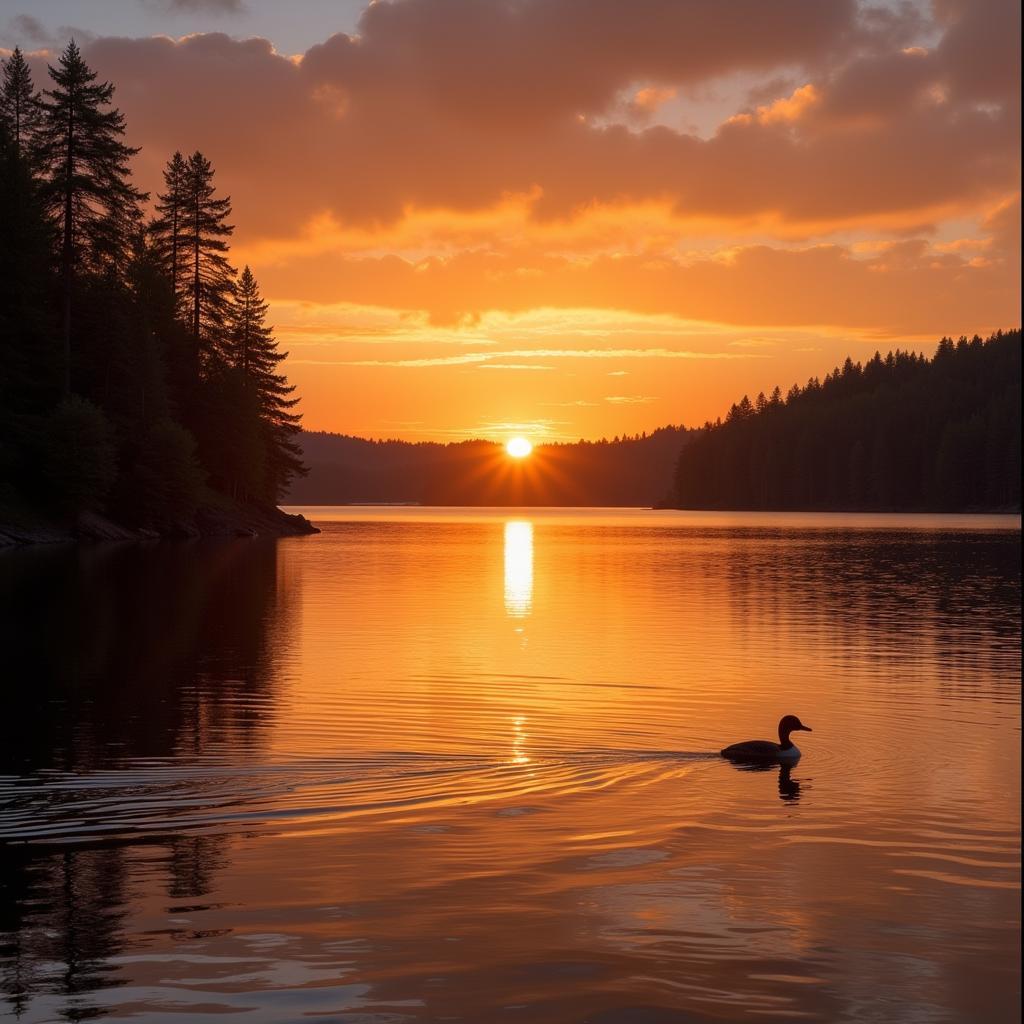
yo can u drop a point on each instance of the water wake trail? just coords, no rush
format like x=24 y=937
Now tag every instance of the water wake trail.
x=150 y=798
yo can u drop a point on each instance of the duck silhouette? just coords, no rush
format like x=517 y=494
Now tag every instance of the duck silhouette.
x=765 y=750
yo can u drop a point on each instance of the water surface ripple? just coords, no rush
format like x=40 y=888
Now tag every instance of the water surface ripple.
x=462 y=765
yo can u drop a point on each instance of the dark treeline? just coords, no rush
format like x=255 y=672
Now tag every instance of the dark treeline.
x=138 y=376
x=624 y=471
x=900 y=432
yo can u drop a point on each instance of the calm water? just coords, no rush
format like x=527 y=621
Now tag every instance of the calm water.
x=439 y=766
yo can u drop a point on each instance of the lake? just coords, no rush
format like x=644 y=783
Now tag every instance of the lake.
x=453 y=765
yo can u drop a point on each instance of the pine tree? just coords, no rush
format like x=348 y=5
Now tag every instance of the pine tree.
x=26 y=357
x=20 y=110
x=212 y=276
x=177 y=382
x=87 y=191
x=903 y=432
x=168 y=228
x=253 y=349
x=255 y=356
x=29 y=361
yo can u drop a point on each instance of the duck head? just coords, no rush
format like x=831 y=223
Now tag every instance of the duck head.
x=788 y=724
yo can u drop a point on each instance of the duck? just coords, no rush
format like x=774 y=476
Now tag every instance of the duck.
x=765 y=750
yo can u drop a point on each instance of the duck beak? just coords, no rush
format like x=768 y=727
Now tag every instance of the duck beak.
x=806 y=728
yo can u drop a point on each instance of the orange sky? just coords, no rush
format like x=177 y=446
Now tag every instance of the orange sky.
x=586 y=217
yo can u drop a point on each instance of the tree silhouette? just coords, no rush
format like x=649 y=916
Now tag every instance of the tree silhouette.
x=254 y=354
x=630 y=471
x=212 y=276
x=87 y=187
x=180 y=402
x=168 y=226
x=179 y=399
x=900 y=432
x=20 y=108
x=29 y=361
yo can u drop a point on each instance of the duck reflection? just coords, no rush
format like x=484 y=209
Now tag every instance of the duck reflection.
x=789 y=788
x=518 y=568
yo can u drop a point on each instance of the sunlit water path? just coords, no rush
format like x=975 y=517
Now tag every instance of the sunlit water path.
x=450 y=765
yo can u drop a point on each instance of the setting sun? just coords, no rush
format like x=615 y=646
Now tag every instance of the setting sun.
x=522 y=501
x=519 y=447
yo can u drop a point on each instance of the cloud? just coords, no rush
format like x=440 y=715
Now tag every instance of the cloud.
x=784 y=110
x=896 y=288
x=527 y=353
x=197 y=6
x=646 y=101
x=512 y=186
x=513 y=366
x=980 y=49
x=454 y=162
x=40 y=42
x=28 y=28
x=535 y=62
x=454 y=105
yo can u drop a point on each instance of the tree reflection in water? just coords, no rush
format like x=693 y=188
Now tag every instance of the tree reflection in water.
x=123 y=654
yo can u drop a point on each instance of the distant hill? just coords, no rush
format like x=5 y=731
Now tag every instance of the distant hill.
x=900 y=432
x=625 y=471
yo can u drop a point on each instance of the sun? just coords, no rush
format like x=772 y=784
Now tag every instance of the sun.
x=519 y=447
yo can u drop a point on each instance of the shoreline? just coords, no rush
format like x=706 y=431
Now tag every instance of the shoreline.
x=227 y=520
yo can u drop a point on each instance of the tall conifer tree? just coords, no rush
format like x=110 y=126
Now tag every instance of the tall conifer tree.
x=169 y=227
x=29 y=361
x=211 y=275
x=255 y=355
x=20 y=109
x=88 y=189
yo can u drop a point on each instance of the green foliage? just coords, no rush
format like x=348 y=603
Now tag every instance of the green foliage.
x=78 y=455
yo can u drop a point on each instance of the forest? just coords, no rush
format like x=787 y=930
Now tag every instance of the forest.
x=139 y=379
x=141 y=385
x=631 y=470
x=902 y=432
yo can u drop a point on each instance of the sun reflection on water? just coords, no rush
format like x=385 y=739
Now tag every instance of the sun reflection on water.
x=519 y=738
x=518 y=568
